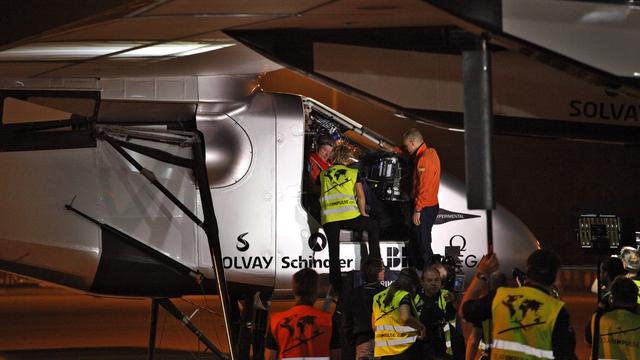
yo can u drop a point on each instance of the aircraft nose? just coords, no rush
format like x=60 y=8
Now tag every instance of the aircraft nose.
x=512 y=240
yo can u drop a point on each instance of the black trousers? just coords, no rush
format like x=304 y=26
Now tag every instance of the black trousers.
x=420 y=251
x=332 y=229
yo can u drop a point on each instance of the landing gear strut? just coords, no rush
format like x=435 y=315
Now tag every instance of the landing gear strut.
x=172 y=309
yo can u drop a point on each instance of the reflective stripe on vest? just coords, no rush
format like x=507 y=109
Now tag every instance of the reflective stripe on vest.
x=486 y=335
x=338 y=189
x=522 y=323
x=392 y=337
x=619 y=335
x=442 y=304
x=520 y=348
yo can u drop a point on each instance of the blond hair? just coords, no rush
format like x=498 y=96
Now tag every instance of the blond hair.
x=413 y=134
x=341 y=154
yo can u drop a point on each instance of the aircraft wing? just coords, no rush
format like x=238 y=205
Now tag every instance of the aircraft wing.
x=404 y=55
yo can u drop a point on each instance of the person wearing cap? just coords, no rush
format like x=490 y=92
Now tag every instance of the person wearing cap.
x=619 y=327
x=528 y=322
x=343 y=206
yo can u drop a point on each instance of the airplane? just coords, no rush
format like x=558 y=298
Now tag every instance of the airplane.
x=117 y=120
x=85 y=212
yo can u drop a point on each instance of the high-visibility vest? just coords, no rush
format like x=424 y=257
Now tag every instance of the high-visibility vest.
x=392 y=337
x=523 y=320
x=302 y=332
x=338 y=194
x=638 y=285
x=449 y=323
x=619 y=335
x=485 y=342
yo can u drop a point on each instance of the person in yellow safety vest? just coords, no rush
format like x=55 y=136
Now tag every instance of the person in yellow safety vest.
x=631 y=259
x=343 y=206
x=479 y=341
x=527 y=322
x=395 y=319
x=438 y=315
x=619 y=327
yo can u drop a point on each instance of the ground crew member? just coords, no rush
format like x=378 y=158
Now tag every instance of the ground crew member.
x=527 y=322
x=480 y=337
x=395 y=319
x=619 y=331
x=302 y=331
x=438 y=315
x=343 y=206
x=425 y=207
x=631 y=260
x=357 y=315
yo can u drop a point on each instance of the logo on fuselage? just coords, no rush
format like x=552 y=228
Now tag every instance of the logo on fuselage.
x=246 y=262
x=317 y=241
x=396 y=257
x=242 y=245
x=458 y=245
x=445 y=216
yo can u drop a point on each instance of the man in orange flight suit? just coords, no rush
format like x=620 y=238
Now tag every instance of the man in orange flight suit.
x=426 y=182
x=302 y=331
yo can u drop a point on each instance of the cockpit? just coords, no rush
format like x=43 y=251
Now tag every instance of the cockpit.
x=385 y=172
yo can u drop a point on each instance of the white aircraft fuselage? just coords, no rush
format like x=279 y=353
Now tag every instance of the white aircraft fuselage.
x=142 y=244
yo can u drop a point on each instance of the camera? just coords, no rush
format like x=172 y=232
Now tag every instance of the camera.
x=455 y=278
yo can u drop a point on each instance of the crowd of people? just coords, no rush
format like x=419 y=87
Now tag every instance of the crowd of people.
x=415 y=317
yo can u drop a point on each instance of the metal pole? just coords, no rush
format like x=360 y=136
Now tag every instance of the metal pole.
x=210 y=227
x=489 y=232
x=153 y=326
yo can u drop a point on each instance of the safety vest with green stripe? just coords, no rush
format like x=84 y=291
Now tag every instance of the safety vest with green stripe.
x=338 y=194
x=619 y=335
x=392 y=337
x=523 y=321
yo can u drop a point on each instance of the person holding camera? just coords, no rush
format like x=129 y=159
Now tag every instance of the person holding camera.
x=528 y=322
x=438 y=315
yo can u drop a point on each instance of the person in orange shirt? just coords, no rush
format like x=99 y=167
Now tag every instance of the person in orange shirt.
x=302 y=332
x=425 y=207
x=319 y=160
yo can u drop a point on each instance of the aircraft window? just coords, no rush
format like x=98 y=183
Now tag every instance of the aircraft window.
x=28 y=125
